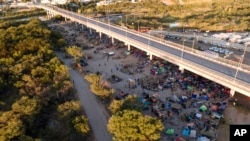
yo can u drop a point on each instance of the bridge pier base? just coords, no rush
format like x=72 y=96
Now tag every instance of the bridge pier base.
x=181 y=69
x=232 y=92
x=129 y=47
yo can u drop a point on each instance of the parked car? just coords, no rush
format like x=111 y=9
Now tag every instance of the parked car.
x=228 y=52
x=212 y=48
x=201 y=48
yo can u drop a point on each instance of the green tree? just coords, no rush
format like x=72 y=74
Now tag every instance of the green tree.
x=115 y=105
x=99 y=86
x=75 y=52
x=131 y=125
x=131 y=102
x=68 y=108
x=26 y=106
x=11 y=126
x=81 y=125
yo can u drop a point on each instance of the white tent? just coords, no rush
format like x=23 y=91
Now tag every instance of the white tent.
x=192 y=133
x=203 y=139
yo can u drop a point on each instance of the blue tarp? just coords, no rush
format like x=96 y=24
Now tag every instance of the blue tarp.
x=168 y=105
x=185 y=132
x=204 y=97
x=194 y=95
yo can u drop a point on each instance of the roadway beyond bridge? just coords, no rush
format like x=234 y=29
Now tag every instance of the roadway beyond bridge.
x=233 y=75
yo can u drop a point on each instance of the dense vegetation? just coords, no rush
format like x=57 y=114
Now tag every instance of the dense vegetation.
x=36 y=94
x=11 y=18
x=216 y=15
x=131 y=125
x=99 y=86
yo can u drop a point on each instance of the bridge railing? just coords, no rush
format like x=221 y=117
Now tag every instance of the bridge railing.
x=171 y=44
x=216 y=76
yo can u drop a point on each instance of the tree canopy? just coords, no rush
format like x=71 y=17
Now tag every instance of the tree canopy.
x=99 y=86
x=131 y=125
x=35 y=90
x=131 y=102
x=75 y=52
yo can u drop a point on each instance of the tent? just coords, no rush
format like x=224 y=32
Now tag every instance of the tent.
x=190 y=88
x=203 y=108
x=170 y=131
x=192 y=133
x=168 y=105
x=127 y=52
x=185 y=132
x=203 y=139
x=198 y=115
x=176 y=99
x=179 y=139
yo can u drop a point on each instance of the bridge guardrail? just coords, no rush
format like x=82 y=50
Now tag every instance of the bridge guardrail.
x=180 y=47
x=172 y=44
x=211 y=72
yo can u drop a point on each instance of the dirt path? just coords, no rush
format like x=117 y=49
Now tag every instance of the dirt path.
x=97 y=119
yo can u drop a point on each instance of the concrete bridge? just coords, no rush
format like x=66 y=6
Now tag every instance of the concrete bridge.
x=233 y=75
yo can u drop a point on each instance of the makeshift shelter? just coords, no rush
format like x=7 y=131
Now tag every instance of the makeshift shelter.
x=179 y=139
x=190 y=88
x=170 y=131
x=127 y=52
x=185 y=132
x=192 y=134
x=203 y=108
x=204 y=97
x=214 y=107
x=203 y=139
x=198 y=115
x=195 y=95
x=175 y=98
x=131 y=83
x=168 y=105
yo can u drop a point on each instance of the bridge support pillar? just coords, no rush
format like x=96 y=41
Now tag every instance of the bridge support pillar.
x=181 y=69
x=150 y=56
x=232 y=92
x=112 y=40
x=48 y=13
x=129 y=48
x=90 y=31
x=100 y=35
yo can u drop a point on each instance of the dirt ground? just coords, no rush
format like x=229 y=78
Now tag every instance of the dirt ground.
x=238 y=114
